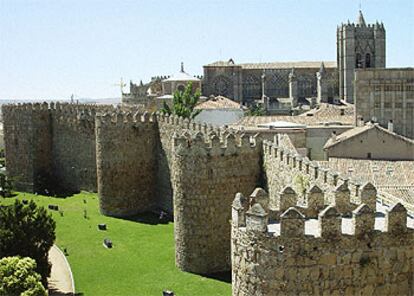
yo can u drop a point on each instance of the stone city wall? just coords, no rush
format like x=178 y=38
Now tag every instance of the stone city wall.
x=205 y=172
x=50 y=148
x=73 y=146
x=126 y=163
x=324 y=258
x=167 y=126
x=285 y=167
x=28 y=144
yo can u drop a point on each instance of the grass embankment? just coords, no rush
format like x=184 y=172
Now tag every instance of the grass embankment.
x=140 y=263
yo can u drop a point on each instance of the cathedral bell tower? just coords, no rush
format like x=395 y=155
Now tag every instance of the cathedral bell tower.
x=358 y=46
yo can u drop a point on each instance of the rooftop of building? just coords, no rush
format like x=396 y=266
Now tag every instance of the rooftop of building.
x=325 y=115
x=360 y=22
x=219 y=102
x=391 y=178
x=274 y=65
x=181 y=76
x=360 y=130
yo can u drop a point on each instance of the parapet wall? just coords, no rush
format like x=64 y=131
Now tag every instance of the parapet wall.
x=126 y=163
x=284 y=167
x=205 y=172
x=327 y=255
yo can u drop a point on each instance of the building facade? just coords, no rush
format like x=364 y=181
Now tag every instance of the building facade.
x=159 y=89
x=248 y=82
x=386 y=96
x=359 y=45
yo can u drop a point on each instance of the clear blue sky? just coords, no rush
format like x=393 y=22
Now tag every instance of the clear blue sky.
x=52 y=48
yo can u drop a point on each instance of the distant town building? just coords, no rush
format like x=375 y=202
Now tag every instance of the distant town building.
x=386 y=96
x=219 y=111
x=159 y=89
x=370 y=141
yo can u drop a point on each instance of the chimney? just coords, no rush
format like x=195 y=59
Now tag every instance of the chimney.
x=390 y=126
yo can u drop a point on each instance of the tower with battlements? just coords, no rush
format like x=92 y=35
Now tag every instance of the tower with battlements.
x=358 y=46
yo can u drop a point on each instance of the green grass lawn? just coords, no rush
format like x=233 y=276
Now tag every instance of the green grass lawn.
x=141 y=261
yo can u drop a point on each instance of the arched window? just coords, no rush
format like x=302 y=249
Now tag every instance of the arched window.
x=181 y=88
x=358 y=61
x=367 y=60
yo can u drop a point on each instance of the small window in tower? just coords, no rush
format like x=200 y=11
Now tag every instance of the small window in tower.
x=367 y=60
x=369 y=155
x=358 y=61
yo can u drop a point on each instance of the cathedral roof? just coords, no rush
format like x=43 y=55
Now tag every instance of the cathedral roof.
x=181 y=76
x=361 y=20
x=275 y=65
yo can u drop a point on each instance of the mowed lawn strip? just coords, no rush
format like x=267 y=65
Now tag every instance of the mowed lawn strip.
x=141 y=261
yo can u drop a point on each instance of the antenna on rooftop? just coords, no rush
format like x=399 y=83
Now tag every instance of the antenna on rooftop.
x=121 y=84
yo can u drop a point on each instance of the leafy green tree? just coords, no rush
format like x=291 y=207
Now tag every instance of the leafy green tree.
x=27 y=231
x=5 y=185
x=18 y=277
x=256 y=110
x=183 y=103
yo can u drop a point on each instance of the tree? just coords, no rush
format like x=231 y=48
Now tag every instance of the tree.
x=184 y=103
x=256 y=110
x=27 y=231
x=5 y=185
x=18 y=277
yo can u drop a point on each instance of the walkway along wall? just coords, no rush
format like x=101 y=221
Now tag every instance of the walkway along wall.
x=281 y=259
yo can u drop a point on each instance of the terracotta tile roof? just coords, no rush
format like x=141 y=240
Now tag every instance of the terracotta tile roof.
x=360 y=130
x=393 y=179
x=218 y=102
x=327 y=113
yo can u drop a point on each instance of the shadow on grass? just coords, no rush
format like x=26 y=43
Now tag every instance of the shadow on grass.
x=150 y=218
x=56 y=292
x=224 y=276
x=9 y=195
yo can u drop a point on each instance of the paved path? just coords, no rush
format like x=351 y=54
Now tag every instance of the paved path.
x=61 y=280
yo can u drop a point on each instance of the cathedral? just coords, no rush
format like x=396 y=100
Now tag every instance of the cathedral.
x=359 y=45
x=283 y=86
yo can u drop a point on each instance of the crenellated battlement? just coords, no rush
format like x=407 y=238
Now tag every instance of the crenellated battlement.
x=299 y=254
x=253 y=214
x=120 y=118
x=285 y=167
x=213 y=145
